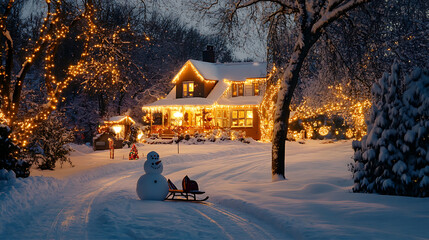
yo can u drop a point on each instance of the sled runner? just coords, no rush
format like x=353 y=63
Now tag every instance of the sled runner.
x=189 y=192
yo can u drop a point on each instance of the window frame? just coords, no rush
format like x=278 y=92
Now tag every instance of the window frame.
x=236 y=87
x=241 y=117
x=187 y=93
x=256 y=89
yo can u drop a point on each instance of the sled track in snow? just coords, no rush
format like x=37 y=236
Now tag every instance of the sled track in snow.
x=78 y=212
x=74 y=216
x=254 y=231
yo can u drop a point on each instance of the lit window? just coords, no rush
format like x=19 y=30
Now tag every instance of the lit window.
x=240 y=89
x=242 y=118
x=255 y=89
x=234 y=90
x=221 y=118
x=249 y=118
x=188 y=89
x=237 y=89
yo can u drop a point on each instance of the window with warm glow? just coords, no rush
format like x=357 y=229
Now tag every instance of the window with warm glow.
x=237 y=89
x=188 y=89
x=255 y=89
x=234 y=90
x=176 y=118
x=242 y=118
x=222 y=118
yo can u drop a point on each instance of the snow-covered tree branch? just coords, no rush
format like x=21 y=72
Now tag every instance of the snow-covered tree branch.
x=311 y=17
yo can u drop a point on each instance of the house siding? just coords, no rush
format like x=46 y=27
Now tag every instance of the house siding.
x=253 y=132
x=206 y=119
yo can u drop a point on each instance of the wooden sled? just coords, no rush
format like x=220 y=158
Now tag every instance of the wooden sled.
x=189 y=193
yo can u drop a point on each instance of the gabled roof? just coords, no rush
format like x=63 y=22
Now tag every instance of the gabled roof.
x=118 y=119
x=227 y=71
x=211 y=99
x=222 y=73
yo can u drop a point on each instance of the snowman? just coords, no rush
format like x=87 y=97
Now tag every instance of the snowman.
x=152 y=185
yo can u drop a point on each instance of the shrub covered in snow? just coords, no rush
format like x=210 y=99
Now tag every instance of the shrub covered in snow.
x=50 y=143
x=393 y=158
x=216 y=135
x=8 y=176
x=8 y=155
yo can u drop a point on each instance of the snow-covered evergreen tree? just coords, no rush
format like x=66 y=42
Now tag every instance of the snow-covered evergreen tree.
x=415 y=117
x=9 y=152
x=50 y=143
x=392 y=158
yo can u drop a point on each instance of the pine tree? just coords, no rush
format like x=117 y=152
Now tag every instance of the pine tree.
x=49 y=143
x=8 y=153
x=134 y=153
x=416 y=139
x=392 y=158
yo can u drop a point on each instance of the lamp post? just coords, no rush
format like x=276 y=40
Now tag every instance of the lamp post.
x=178 y=117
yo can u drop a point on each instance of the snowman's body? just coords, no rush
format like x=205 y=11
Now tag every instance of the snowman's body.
x=152 y=185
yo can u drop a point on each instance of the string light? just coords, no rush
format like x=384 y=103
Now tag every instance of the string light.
x=52 y=32
x=352 y=110
x=324 y=130
x=267 y=107
x=187 y=65
x=120 y=121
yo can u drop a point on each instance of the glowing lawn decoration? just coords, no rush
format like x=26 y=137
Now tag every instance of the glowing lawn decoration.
x=139 y=137
x=324 y=130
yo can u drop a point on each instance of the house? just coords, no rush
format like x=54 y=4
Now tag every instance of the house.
x=101 y=141
x=121 y=130
x=209 y=95
x=120 y=125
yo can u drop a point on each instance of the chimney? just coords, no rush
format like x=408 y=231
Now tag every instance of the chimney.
x=209 y=54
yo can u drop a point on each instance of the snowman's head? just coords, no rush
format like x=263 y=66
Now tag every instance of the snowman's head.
x=153 y=164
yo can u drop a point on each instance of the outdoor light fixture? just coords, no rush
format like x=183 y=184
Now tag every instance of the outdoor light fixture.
x=117 y=129
x=139 y=136
x=178 y=115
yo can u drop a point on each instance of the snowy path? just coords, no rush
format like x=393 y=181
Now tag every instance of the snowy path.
x=108 y=208
x=97 y=198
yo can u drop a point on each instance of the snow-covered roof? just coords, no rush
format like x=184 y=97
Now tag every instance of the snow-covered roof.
x=215 y=97
x=243 y=100
x=211 y=99
x=230 y=71
x=120 y=118
x=194 y=101
x=222 y=73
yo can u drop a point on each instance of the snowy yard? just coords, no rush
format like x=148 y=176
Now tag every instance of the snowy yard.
x=96 y=199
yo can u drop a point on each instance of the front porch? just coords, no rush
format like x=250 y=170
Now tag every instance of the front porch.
x=168 y=122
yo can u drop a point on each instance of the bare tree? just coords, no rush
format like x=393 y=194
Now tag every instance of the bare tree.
x=55 y=27
x=311 y=18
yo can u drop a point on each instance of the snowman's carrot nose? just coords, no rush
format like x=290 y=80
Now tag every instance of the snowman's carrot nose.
x=158 y=162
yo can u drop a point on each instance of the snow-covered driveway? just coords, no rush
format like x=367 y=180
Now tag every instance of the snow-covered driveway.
x=105 y=206
x=108 y=208
x=97 y=200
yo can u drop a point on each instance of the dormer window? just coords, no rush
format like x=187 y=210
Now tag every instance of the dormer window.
x=256 y=89
x=237 y=89
x=188 y=88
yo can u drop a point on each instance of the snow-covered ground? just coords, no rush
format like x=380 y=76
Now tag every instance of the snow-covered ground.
x=96 y=199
